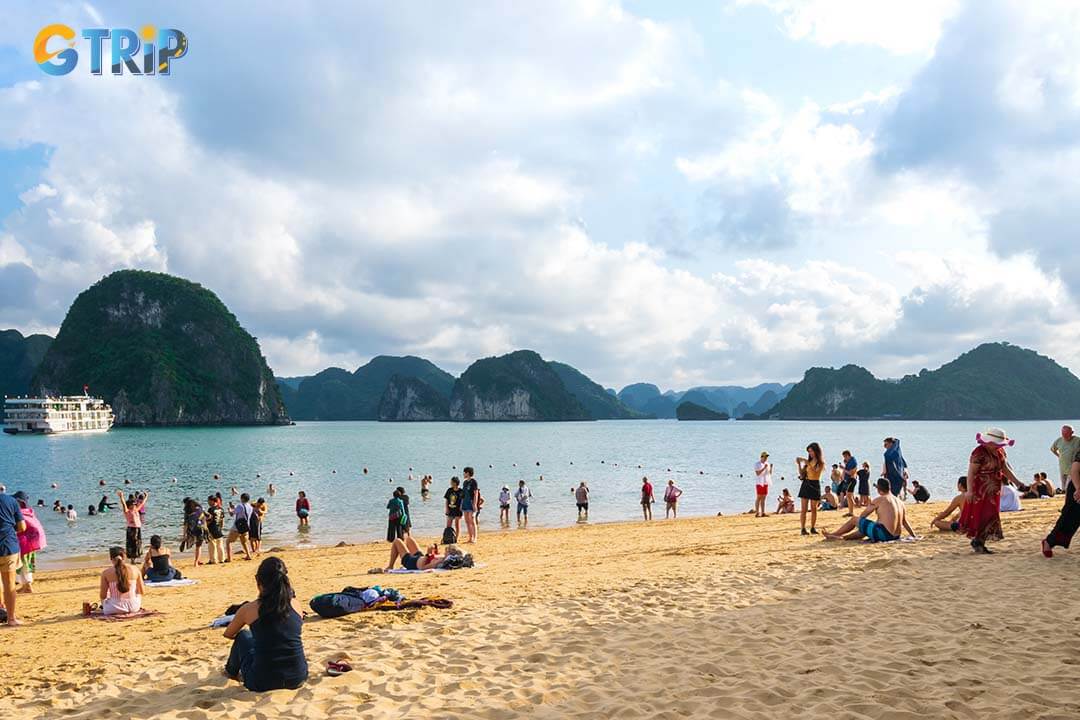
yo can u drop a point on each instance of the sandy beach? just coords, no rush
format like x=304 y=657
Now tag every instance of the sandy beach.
x=705 y=617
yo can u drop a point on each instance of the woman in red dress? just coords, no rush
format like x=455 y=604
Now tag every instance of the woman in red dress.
x=988 y=470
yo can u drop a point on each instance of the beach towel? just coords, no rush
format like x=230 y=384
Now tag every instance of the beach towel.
x=98 y=615
x=170 y=583
x=403 y=571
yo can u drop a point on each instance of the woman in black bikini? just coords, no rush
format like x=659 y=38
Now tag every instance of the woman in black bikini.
x=810 y=469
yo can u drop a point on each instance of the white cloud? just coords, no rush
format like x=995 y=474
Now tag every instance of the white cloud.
x=427 y=197
x=907 y=27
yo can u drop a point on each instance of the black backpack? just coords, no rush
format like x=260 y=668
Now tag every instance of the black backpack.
x=449 y=537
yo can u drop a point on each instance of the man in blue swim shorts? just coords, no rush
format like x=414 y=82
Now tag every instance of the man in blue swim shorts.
x=890 y=519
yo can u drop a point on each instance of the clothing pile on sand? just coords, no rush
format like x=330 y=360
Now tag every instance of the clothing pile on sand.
x=352 y=600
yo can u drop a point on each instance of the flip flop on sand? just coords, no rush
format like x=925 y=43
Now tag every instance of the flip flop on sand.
x=334 y=669
x=376 y=571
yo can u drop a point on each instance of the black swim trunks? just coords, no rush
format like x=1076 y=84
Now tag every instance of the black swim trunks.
x=409 y=561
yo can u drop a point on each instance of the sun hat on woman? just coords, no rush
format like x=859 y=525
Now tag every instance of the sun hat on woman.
x=994 y=436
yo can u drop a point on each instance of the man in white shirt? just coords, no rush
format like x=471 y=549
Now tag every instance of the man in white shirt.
x=762 y=480
x=72 y=516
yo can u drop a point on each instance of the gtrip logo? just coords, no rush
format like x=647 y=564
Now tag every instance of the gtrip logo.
x=147 y=52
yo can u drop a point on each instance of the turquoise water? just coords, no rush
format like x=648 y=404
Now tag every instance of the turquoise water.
x=712 y=462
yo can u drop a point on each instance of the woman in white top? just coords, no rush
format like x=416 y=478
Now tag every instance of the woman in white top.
x=121 y=585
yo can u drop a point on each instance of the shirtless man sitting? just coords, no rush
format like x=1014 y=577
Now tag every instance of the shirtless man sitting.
x=411 y=558
x=943 y=520
x=890 y=514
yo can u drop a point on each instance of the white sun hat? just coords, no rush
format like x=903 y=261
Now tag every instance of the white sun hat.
x=994 y=436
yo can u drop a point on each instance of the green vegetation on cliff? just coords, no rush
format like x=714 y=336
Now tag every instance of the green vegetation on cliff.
x=163 y=351
x=598 y=402
x=692 y=411
x=518 y=386
x=19 y=358
x=336 y=394
x=993 y=381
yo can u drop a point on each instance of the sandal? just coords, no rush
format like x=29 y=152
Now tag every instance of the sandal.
x=334 y=669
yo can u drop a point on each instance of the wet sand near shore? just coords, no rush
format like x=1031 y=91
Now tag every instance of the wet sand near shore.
x=706 y=617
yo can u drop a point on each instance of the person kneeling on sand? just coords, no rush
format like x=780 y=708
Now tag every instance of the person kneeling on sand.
x=943 y=520
x=890 y=519
x=411 y=558
x=785 y=503
x=121 y=587
x=269 y=656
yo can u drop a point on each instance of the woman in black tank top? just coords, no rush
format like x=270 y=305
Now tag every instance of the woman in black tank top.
x=269 y=656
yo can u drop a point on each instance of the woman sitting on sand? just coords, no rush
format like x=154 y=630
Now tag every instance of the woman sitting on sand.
x=785 y=503
x=121 y=588
x=156 y=567
x=269 y=656
x=411 y=558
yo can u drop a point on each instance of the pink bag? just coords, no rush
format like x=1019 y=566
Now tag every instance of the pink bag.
x=34 y=538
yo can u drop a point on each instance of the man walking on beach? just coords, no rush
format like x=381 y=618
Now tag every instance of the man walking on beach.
x=581 y=495
x=1065 y=448
x=646 y=498
x=11 y=524
x=241 y=527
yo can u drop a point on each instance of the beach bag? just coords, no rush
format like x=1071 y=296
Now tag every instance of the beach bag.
x=242 y=525
x=332 y=605
x=456 y=562
x=449 y=537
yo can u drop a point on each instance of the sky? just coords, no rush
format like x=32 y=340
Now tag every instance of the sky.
x=674 y=192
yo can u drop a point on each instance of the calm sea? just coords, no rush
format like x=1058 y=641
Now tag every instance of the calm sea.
x=711 y=462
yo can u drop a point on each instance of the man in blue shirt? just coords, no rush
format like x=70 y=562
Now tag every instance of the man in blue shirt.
x=11 y=524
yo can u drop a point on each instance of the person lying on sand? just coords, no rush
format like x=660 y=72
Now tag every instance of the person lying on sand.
x=785 y=503
x=890 y=519
x=411 y=558
x=943 y=520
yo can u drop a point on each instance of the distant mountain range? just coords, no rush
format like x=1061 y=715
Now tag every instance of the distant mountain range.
x=731 y=400
x=518 y=386
x=165 y=351
x=994 y=381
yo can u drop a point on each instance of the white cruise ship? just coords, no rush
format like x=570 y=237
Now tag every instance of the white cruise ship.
x=48 y=415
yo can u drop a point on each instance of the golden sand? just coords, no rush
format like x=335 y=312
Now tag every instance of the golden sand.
x=708 y=617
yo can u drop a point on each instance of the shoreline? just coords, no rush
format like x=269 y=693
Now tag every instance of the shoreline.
x=579 y=612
